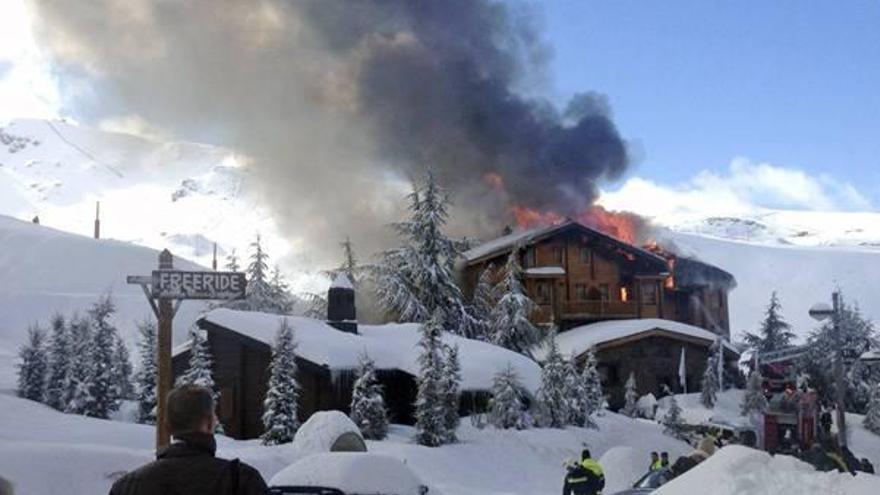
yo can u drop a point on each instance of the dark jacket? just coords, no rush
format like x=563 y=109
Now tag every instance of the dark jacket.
x=188 y=467
x=584 y=478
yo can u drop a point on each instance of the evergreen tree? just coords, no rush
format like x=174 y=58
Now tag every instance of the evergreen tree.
x=34 y=365
x=593 y=384
x=709 y=386
x=81 y=365
x=282 y=302
x=430 y=408
x=754 y=400
x=554 y=406
x=872 y=417
x=103 y=381
x=59 y=364
x=510 y=326
x=507 y=405
x=368 y=410
x=775 y=333
x=349 y=264
x=145 y=379
x=122 y=369
x=418 y=278
x=451 y=386
x=259 y=296
x=631 y=396
x=280 y=418
x=483 y=301
x=232 y=262
x=199 y=370
x=580 y=408
x=672 y=420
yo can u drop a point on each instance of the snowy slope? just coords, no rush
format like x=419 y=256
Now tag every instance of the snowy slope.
x=801 y=275
x=48 y=453
x=44 y=270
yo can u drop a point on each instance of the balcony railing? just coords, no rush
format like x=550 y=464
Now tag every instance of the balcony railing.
x=600 y=308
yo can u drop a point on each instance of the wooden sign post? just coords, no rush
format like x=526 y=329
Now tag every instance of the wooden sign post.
x=165 y=289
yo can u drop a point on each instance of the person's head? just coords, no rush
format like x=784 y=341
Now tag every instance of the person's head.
x=654 y=456
x=190 y=410
x=585 y=454
x=664 y=456
x=5 y=487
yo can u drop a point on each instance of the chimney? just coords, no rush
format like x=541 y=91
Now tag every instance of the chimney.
x=98 y=220
x=341 y=311
x=214 y=262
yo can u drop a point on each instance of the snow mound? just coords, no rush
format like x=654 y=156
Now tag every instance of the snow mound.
x=646 y=405
x=623 y=466
x=737 y=470
x=352 y=472
x=328 y=431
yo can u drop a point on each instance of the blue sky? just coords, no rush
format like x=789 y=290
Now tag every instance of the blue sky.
x=697 y=83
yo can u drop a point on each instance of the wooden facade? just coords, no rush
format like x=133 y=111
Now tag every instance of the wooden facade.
x=578 y=275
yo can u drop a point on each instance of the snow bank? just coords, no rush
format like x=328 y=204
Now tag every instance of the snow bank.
x=352 y=472
x=322 y=431
x=737 y=470
x=392 y=346
x=726 y=410
x=623 y=467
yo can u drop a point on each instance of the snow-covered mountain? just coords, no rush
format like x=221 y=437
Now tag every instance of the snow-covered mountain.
x=187 y=196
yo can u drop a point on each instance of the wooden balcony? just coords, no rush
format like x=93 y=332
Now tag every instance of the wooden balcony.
x=599 y=309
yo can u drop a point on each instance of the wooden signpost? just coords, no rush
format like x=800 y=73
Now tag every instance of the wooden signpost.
x=165 y=289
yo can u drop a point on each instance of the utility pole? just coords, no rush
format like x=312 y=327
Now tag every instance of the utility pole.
x=838 y=371
x=163 y=348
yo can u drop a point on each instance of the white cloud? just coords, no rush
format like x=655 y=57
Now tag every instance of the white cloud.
x=746 y=187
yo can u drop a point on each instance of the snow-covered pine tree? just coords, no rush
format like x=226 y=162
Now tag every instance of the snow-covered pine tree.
x=281 y=299
x=430 y=411
x=280 y=418
x=482 y=302
x=199 y=369
x=103 y=381
x=34 y=365
x=258 y=293
x=754 y=400
x=59 y=364
x=593 y=383
x=232 y=262
x=576 y=393
x=145 y=378
x=349 y=265
x=630 y=397
x=775 y=333
x=82 y=343
x=709 y=385
x=418 y=278
x=510 y=326
x=553 y=404
x=122 y=369
x=872 y=416
x=672 y=420
x=507 y=405
x=368 y=409
x=451 y=392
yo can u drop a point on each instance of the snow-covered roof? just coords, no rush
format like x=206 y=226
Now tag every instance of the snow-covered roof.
x=543 y=271
x=579 y=339
x=392 y=346
x=871 y=355
x=351 y=472
x=341 y=282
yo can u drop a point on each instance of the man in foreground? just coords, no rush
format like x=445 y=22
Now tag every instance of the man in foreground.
x=188 y=465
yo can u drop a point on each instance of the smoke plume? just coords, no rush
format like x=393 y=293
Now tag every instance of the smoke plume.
x=339 y=103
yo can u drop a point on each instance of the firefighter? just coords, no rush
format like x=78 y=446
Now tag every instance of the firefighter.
x=664 y=459
x=655 y=464
x=585 y=477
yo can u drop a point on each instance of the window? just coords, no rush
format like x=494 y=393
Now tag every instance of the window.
x=543 y=290
x=559 y=254
x=603 y=292
x=530 y=258
x=585 y=255
x=580 y=291
x=624 y=293
x=649 y=294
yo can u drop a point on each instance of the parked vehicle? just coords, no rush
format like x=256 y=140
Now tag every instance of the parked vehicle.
x=347 y=473
x=651 y=481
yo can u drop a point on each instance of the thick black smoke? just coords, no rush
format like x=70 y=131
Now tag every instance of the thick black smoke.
x=339 y=102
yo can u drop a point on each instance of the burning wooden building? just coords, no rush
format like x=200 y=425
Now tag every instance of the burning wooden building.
x=579 y=275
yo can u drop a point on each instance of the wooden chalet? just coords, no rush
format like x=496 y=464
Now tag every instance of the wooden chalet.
x=578 y=275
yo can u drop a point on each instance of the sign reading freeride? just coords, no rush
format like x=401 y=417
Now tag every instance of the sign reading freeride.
x=174 y=284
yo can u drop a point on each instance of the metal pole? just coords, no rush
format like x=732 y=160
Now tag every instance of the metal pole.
x=838 y=372
x=163 y=358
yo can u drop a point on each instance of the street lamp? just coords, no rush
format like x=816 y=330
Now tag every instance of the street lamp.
x=821 y=312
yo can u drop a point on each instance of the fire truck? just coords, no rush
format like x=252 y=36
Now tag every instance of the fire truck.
x=791 y=419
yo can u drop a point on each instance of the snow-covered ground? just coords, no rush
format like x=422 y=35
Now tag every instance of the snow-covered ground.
x=47 y=453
